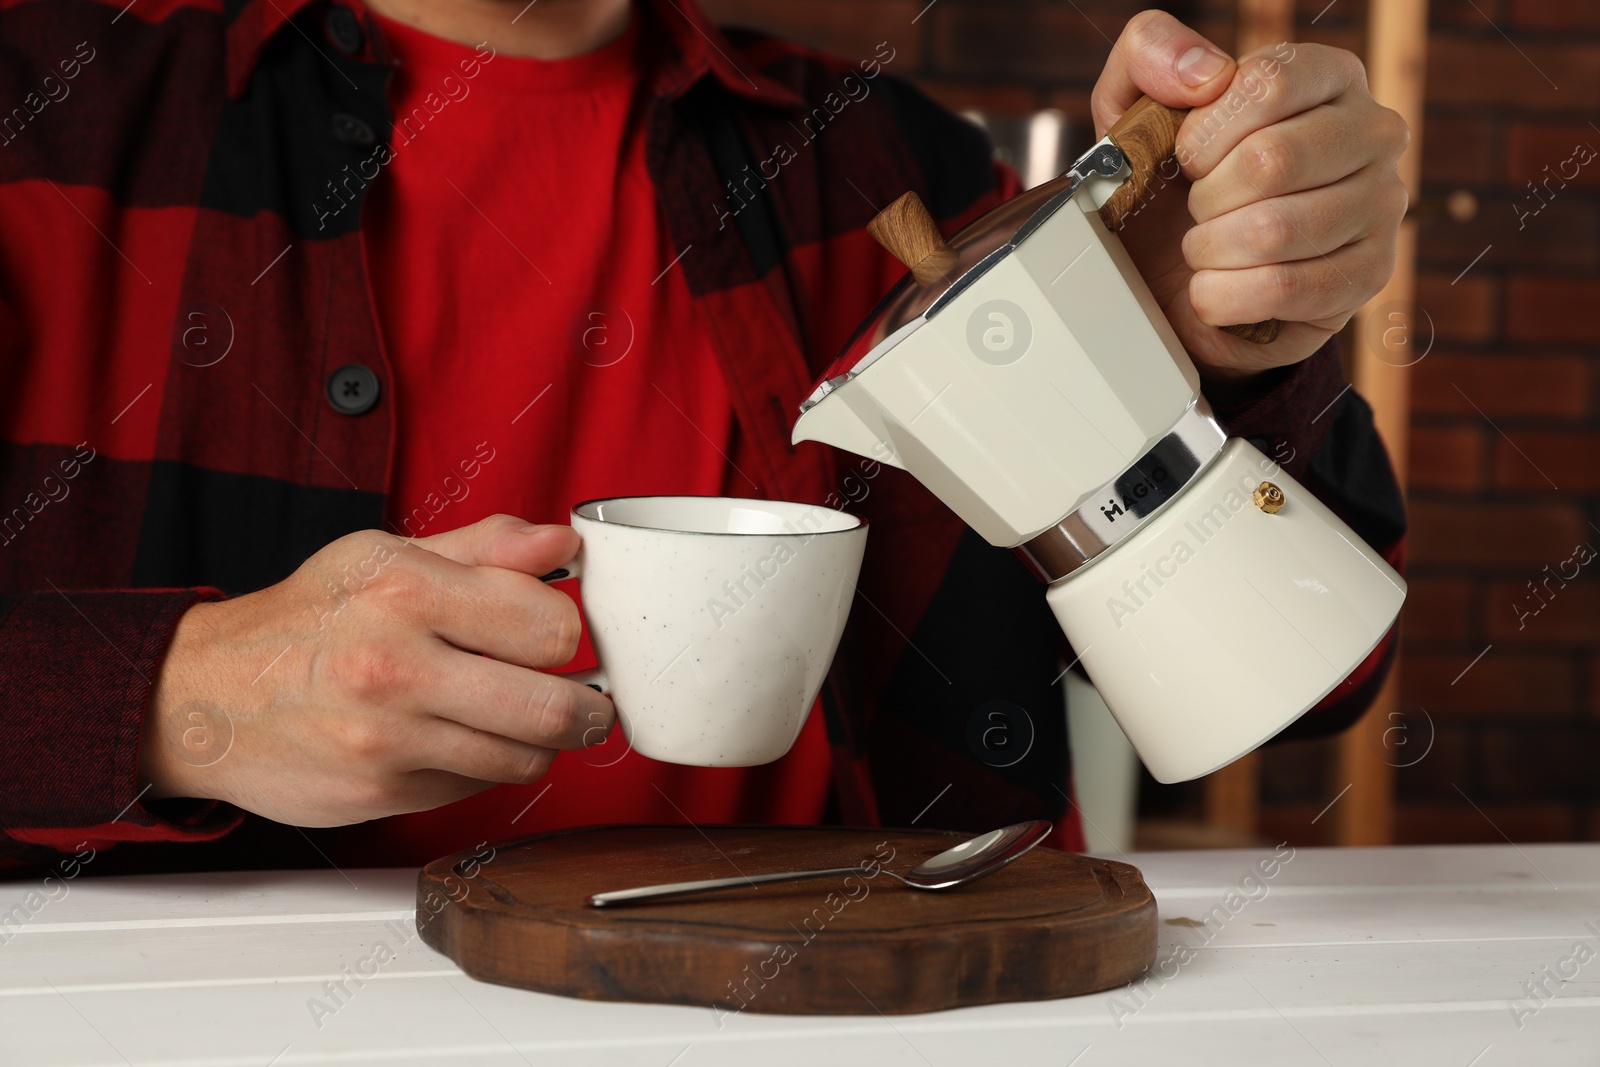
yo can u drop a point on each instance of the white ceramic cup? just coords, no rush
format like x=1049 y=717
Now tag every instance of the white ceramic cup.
x=714 y=619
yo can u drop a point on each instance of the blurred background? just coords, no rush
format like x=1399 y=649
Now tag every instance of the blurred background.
x=1482 y=360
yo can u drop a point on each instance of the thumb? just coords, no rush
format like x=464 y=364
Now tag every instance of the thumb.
x=1159 y=57
x=508 y=542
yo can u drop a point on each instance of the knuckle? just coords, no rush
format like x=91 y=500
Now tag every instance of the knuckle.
x=350 y=565
x=1098 y=108
x=1398 y=199
x=1283 y=285
x=1381 y=266
x=1268 y=162
x=1200 y=302
x=366 y=741
x=499 y=521
x=1260 y=88
x=556 y=709
x=1145 y=27
x=1348 y=64
x=373 y=795
x=600 y=720
x=1327 y=64
x=1268 y=232
x=560 y=634
x=1203 y=295
x=371 y=671
x=1397 y=128
x=1324 y=290
x=530 y=767
x=355 y=543
x=395 y=590
x=370 y=551
x=1330 y=290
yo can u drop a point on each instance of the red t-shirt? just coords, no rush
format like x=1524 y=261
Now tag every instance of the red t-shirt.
x=544 y=351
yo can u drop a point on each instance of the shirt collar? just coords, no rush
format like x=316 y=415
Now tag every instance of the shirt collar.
x=694 y=48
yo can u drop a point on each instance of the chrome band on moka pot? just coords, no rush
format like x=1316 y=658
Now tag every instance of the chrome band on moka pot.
x=1129 y=500
x=1023 y=372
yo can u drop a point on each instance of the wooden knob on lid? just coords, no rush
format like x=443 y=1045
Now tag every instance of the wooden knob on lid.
x=907 y=232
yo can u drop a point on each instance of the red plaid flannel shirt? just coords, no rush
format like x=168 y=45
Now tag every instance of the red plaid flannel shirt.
x=165 y=172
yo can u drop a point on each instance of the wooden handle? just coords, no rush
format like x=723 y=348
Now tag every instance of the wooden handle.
x=907 y=232
x=1147 y=133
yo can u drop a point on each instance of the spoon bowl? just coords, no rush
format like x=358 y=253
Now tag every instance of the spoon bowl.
x=966 y=862
x=974 y=858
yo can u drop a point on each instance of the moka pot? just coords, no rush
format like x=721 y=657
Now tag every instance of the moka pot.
x=1025 y=374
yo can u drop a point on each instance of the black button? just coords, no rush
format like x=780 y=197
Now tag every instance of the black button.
x=348 y=129
x=344 y=29
x=353 y=389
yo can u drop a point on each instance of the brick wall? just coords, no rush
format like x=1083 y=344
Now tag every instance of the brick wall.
x=1506 y=440
x=1505 y=445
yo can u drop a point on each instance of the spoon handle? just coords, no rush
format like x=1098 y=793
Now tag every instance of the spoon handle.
x=678 y=889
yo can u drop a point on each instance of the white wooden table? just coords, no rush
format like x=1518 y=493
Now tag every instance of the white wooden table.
x=1411 y=956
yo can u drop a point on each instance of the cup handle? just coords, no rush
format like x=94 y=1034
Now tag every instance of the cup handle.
x=595 y=679
x=562 y=573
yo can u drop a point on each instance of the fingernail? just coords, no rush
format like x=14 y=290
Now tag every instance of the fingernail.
x=530 y=528
x=1199 y=65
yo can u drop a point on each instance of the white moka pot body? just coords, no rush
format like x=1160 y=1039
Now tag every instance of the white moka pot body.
x=1218 y=623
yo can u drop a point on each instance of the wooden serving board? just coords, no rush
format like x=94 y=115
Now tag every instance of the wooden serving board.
x=1052 y=924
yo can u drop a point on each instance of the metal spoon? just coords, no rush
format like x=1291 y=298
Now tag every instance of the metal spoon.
x=967 y=862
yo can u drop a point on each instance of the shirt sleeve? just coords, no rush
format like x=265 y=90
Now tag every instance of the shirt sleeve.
x=77 y=670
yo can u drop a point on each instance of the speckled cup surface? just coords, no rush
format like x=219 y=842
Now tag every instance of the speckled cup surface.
x=714 y=618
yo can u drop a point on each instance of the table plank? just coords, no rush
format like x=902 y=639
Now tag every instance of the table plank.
x=244 y=897
x=1381 y=870
x=1219 y=1012
x=1348 y=956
